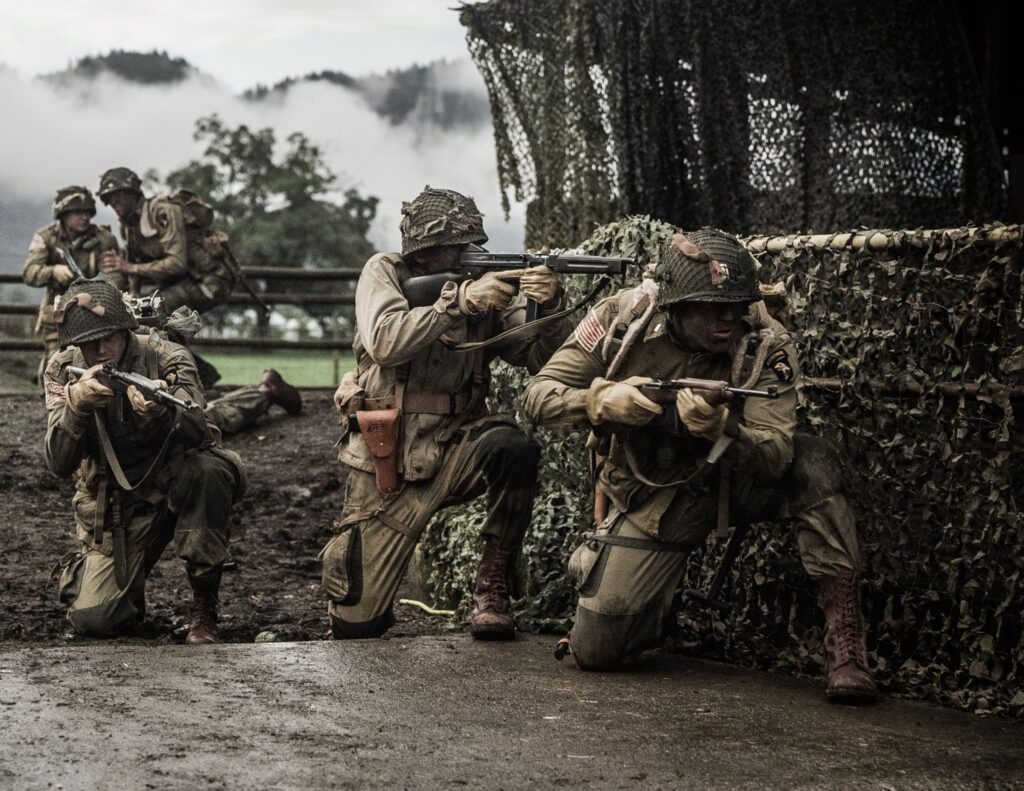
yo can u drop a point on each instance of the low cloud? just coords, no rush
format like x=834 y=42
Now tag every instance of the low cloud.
x=72 y=134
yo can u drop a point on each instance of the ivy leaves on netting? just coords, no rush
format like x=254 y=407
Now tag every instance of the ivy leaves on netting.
x=935 y=480
x=756 y=117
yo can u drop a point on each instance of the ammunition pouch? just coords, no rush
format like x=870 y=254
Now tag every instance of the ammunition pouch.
x=380 y=430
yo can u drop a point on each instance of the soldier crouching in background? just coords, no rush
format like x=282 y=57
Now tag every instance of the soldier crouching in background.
x=692 y=321
x=425 y=438
x=147 y=473
x=71 y=236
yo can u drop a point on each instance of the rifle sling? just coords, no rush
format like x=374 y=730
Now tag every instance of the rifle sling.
x=115 y=466
x=530 y=329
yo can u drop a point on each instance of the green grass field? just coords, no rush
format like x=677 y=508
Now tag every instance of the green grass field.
x=300 y=368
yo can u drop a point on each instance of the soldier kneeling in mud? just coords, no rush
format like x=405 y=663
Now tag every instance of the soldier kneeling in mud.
x=692 y=320
x=147 y=473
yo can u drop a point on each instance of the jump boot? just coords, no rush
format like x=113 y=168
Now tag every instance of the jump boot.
x=202 y=615
x=847 y=677
x=280 y=393
x=491 y=618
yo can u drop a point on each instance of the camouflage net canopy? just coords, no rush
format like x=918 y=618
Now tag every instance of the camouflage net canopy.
x=756 y=117
x=935 y=477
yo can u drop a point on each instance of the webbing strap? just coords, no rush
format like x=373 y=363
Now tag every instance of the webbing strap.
x=649 y=544
x=115 y=465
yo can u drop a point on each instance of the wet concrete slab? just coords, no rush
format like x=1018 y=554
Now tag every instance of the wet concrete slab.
x=433 y=712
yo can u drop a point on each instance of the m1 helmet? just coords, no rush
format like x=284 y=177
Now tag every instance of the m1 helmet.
x=119 y=179
x=439 y=217
x=90 y=310
x=73 y=199
x=708 y=265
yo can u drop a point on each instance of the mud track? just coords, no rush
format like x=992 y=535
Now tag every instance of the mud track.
x=277 y=532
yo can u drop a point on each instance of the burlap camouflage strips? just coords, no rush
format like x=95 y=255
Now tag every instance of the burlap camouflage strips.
x=91 y=309
x=440 y=217
x=706 y=265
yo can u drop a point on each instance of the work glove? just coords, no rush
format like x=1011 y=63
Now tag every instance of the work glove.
x=540 y=283
x=490 y=292
x=62 y=274
x=701 y=418
x=349 y=395
x=620 y=402
x=143 y=407
x=88 y=394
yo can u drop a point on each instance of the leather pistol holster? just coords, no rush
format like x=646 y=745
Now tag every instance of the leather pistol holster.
x=379 y=428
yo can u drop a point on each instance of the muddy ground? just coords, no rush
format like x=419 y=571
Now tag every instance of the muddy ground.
x=277 y=531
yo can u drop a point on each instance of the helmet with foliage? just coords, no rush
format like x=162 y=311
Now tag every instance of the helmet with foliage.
x=90 y=310
x=119 y=179
x=439 y=217
x=73 y=199
x=706 y=266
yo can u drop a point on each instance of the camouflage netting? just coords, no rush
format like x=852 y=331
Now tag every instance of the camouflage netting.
x=753 y=116
x=935 y=479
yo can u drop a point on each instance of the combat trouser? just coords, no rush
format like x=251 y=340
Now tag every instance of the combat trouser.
x=238 y=410
x=364 y=564
x=626 y=592
x=188 y=292
x=194 y=514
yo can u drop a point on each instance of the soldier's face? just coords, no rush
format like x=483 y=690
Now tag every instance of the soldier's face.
x=123 y=202
x=76 y=221
x=108 y=349
x=708 y=326
x=438 y=259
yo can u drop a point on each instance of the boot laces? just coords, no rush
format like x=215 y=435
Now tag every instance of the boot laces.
x=492 y=586
x=847 y=627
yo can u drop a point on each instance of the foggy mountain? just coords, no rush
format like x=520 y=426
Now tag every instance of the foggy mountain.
x=388 y=134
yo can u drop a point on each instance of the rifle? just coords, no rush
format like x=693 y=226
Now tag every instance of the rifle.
x=115 y=378
x=70 y=262
x=424 y=290
x=663 y=390
x=232 y=262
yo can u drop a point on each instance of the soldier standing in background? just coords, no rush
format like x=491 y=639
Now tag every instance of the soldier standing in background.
x=73 y=234
x=147 y=473
x=425 y=439
x=692 y=321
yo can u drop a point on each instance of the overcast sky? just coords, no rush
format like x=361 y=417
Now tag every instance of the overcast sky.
x=241 y=42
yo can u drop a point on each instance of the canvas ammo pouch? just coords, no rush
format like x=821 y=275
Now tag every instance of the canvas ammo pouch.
x=380 y=429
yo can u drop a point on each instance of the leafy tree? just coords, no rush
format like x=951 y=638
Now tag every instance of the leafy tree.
x=280 y=205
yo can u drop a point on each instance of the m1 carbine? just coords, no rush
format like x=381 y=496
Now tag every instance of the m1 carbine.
x=714 y=391
x=70 y=262
x=113 y=377
x=423 y=290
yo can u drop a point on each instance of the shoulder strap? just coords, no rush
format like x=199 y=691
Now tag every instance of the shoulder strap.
x=110 y=455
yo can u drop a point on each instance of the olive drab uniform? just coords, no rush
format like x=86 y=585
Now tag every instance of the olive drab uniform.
x=155 y=237
x=189 y=483
x=450 y=449
x=665 y=498
x=43 y=258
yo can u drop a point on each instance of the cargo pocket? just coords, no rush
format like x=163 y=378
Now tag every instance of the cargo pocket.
x=585 y=564
x=342 y=576
x=70 y=577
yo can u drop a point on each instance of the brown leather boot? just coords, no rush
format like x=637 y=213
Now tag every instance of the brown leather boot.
x=491 y=618
x=847 y=677
x=280 y=393
x=202 y=615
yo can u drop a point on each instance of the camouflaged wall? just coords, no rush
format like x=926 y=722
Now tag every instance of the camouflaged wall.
x=935 y=479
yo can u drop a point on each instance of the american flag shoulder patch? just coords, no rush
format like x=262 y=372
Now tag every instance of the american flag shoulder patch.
x=55 y=395
x=589 y=332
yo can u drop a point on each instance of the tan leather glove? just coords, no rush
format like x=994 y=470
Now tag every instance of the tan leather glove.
x=701 y=418
x=143 y=407
x=540 y=283
x=349 y=396
x=620 y=402
x=62 y=274
x=490 y=292
x=88 y=394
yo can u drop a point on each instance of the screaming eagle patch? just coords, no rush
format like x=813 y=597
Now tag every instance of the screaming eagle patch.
x=778 y=363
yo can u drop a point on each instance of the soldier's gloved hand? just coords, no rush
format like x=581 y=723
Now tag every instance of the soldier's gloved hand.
x=620 y=402
x=143 y=407
x=490 y=292
x=88 y=394
x=701 y=418
x=540 y=283
x=111 y=262
x=349 y=394
x=62 y=274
